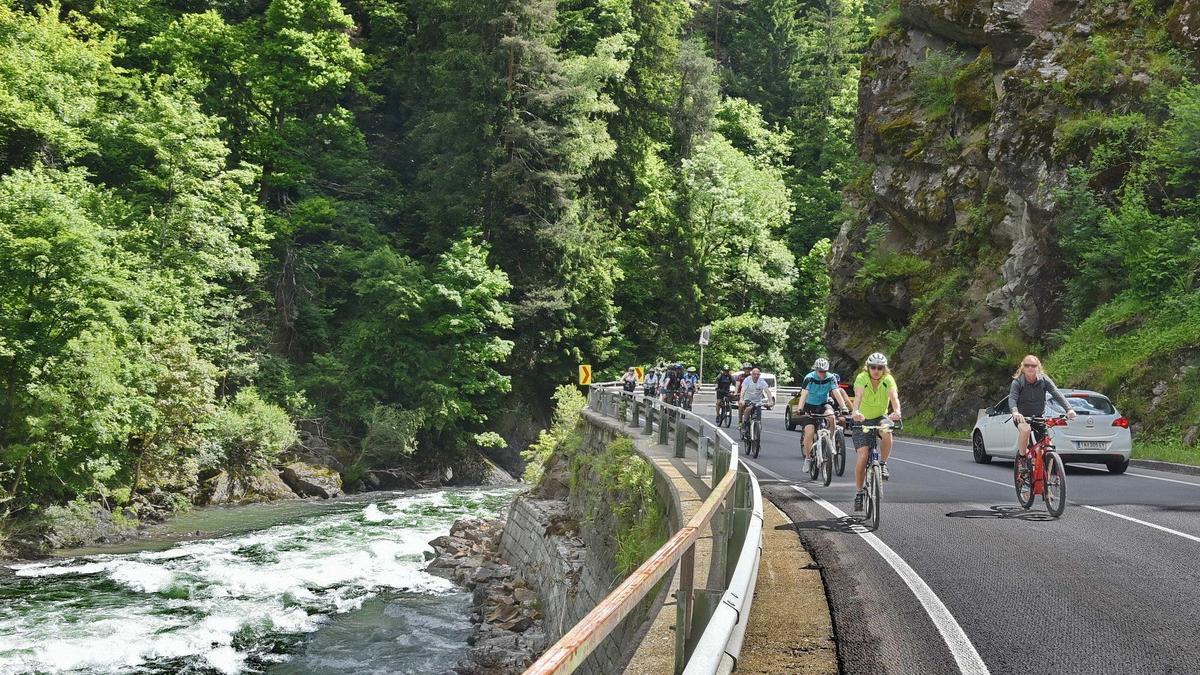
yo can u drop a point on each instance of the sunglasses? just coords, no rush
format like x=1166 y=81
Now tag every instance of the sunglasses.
x=874 y=367
x=1029 y=365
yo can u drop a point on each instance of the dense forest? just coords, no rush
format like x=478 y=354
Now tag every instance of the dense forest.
x=388 y=228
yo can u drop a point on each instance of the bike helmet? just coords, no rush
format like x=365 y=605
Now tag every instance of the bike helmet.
x=877 y=359
x=691 y=369
x=821 y=364
x=727 y=367
x=746 y=366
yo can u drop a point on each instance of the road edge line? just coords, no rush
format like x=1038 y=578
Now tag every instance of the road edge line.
x=961 y=648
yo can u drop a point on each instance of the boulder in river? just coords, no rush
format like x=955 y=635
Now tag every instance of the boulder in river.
x=307 y=480
x=266 y=486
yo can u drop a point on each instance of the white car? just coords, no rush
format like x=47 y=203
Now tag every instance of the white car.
x=771 y=382
x=1099 y=435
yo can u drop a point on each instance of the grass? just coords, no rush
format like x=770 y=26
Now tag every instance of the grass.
x=922 y=425
x=1166 y=451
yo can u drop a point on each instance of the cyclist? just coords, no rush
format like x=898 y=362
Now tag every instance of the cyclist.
x=874 y=392
x=650 y=384
x=629 y=380
x=741 y=377
x=673 y=382
x=754 y=390
x=691 y=381
x=725 y=382
x=1027 y=398
x=818 y=388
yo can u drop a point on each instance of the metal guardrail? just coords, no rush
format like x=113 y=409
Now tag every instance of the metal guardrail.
x=710 y=622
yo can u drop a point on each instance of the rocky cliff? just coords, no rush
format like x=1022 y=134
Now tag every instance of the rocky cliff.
x=972 y=114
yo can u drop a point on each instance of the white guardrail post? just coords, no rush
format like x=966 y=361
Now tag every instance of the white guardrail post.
x=710 y=622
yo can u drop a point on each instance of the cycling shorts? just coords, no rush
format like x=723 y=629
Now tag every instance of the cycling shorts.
x=867 y=439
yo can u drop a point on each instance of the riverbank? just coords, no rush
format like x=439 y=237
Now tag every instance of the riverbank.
x=82 y=523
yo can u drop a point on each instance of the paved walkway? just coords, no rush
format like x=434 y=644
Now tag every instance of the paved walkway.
x=656 y=654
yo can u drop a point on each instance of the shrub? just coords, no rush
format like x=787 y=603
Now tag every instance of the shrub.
x=934 y=80
x=568 y=405
x=250 y=433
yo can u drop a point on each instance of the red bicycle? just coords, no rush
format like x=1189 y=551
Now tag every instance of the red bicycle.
x=1041 y=471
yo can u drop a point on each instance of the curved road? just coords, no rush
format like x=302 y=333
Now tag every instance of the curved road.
x=959 y=579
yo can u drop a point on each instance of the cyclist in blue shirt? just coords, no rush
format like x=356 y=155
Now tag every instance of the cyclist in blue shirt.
x=818 y=388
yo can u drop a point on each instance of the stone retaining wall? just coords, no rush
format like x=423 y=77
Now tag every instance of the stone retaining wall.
x=566 y=554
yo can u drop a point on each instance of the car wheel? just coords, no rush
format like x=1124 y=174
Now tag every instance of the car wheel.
x=787 y=419
x=978 y=449
x=1117 y=465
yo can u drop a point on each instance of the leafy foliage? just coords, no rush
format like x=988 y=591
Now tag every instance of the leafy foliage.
x=393 y=226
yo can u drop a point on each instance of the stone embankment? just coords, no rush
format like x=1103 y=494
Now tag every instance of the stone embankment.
x=509 y=632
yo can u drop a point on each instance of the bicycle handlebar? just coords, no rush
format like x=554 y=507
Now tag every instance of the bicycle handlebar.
x=892 y=425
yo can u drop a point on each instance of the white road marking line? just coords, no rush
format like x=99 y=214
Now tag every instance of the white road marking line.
x=1138 y=475
x=956 y=473
x=1142 y=522
x=961 y=648
x=1086 y=506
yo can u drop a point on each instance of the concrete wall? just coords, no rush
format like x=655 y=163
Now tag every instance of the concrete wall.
x=565 y=550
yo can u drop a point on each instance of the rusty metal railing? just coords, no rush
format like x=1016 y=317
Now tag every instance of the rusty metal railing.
x=710 y=621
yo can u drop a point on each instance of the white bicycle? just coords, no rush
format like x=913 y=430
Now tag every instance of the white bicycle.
x=829 y=455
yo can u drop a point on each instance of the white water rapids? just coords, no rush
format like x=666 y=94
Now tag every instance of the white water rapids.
x=332 y=592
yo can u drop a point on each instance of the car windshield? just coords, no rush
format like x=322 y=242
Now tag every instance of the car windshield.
x=1084 y=405
x=770 y=380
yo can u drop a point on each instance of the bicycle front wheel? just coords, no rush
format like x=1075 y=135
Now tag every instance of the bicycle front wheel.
x=1023 y=479
x=875 y=497
x=827 y=460
x=839 y=460
x=756 y=437
x=1056 y=485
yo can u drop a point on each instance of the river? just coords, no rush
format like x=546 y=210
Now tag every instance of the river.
x=295 y=587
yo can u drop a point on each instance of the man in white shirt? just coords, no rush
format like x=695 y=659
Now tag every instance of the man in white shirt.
x=754 y=390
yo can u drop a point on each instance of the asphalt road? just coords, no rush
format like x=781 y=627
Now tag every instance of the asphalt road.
x=959 y=579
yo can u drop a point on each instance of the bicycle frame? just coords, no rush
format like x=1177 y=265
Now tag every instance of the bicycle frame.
x=1037 y=453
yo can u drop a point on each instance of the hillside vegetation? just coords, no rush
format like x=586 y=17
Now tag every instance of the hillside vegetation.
x=1032 y=188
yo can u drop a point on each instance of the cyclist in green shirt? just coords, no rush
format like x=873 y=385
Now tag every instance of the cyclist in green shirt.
x=874 y=392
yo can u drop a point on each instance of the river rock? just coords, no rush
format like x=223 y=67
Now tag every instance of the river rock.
x=508 y=633
x=266 y=486
x=307 y=480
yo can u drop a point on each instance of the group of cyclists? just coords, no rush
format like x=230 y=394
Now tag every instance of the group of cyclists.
x=875 y=396
x=674 y=383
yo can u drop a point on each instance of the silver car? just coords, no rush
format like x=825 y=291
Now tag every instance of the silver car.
x=1099 y=435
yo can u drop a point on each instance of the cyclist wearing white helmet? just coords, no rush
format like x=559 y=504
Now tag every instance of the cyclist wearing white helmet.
x=818 y=388
x=875 y=392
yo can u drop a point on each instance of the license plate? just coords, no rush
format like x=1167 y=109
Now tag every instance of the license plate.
x=1092 y=445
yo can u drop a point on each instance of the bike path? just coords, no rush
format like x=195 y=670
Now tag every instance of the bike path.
x=1109 y=594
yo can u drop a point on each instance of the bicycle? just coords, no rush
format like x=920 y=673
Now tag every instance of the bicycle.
x=752 y=429
x=724 y=412
x=1041 y=470
x=873 y=504
x=825 y=454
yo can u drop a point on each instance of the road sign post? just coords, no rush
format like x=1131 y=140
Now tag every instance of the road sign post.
x=705 y=334
x=585 y=375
